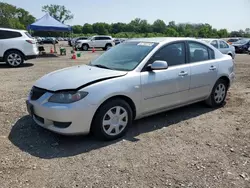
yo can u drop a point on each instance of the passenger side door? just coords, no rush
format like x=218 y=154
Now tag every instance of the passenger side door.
x=166 y=88
x=223 y=47
x=204 y=70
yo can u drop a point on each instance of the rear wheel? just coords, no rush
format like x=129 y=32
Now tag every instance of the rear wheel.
x=107 y=47
x=14 y=58
x=218 y=94
x=112 y=120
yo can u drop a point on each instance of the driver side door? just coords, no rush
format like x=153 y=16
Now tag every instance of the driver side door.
x=162 y=89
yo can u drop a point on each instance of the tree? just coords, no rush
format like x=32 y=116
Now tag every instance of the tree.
x=159 y=26
x=87 y=28
x=171 y=32
x=222 y=33
x=118 y=27
x=101 y=28
x=59 y=12
x=77 y=29
x=24 y=17
x=13 y=17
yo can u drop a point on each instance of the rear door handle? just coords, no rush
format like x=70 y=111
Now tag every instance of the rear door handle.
x=183 y=73
x=212 y=68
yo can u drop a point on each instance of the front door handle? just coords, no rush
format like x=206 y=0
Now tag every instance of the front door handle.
x=212 y=68
x=183 y=73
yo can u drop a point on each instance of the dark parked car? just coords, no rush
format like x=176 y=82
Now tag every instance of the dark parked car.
x=233 y=40
x=242 y=45
x=118 y=41
x=48 y=41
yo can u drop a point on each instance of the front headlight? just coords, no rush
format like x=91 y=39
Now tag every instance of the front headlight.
x=67 y=97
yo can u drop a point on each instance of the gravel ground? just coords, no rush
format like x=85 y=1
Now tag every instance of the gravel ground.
x=192 y=146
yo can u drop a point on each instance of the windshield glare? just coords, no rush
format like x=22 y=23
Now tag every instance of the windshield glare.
x=125 y=56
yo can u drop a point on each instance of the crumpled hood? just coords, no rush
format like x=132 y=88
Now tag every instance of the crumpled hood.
x=75 y=77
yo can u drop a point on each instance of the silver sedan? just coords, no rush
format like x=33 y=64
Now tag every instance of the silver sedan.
x=222 y=46
x=135 y=79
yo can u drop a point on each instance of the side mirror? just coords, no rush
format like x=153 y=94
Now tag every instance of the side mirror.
x=158 y=65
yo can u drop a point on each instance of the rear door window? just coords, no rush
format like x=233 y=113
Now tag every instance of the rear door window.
x=215 y=43
x=223 y=44
x=198 y=52
x=9 y=34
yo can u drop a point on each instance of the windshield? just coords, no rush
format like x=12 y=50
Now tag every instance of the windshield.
x=207 y=41
x=243 y=41
x=125 y=56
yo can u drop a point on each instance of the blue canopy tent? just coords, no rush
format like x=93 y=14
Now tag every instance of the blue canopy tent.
x=48 y=23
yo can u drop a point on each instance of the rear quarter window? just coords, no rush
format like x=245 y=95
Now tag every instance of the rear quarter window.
x=28 y=35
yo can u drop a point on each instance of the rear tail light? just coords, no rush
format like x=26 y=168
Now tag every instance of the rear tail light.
x=31 y=41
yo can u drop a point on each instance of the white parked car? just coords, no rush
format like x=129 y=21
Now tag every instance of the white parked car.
x=16 y=46
x=222 y=46
x=132 y=80
x=104 y=42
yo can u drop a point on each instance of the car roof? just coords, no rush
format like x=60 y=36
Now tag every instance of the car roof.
x=161 y=39
x=8 y=29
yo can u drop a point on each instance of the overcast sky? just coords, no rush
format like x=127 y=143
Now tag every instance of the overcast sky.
x=230 y=14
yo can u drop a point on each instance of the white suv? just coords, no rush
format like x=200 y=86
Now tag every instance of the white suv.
x=104 y=42
x=16 y=46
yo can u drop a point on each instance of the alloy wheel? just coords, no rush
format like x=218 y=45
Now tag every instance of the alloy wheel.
x=219 y=93
x=14 y=59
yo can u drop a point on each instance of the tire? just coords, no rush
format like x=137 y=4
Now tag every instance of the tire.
x=107 y=46
x=218 y=94
x=14 y=58
x=85 y=47
x=113 y=128
x=230 y=55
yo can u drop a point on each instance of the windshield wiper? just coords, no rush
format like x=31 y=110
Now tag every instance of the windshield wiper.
x=101 y=66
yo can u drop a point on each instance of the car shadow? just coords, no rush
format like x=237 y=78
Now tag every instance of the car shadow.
x=24 y=65
x=48 y=55
x=36 y=141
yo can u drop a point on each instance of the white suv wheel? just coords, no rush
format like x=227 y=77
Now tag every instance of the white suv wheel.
x=14 y=58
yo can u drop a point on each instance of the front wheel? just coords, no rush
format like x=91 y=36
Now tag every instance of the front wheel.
x=112 y=120
x=218 y=94
x=85 y=47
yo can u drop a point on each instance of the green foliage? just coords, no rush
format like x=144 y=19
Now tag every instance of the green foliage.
x=77 y=29
x=87 y=28
x=59 y=12
x=13 y=17
x=141 y=28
